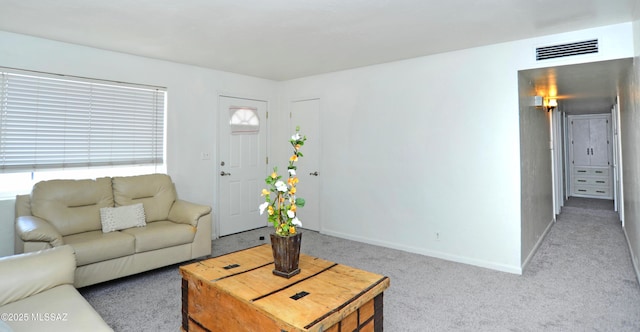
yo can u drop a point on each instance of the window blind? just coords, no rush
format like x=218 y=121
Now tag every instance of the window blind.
x=57 y=123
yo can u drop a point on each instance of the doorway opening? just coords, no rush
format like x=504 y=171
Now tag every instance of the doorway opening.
x=584 y=126
x=548 y=170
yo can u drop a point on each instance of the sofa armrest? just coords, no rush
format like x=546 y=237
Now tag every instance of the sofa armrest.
x=34 y=229
x=28 y=274
x=187 y=213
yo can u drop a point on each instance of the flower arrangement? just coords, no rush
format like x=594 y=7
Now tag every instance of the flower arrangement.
x=282 y=209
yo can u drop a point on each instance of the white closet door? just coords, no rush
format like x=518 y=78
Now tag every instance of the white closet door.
x=581 y=142
x=599 y=142
x=590 y=151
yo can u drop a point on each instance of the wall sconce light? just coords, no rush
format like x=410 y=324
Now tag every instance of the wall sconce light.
x=551 y=104
x=538 y=101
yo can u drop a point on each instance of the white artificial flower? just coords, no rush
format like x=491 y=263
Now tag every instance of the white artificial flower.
x=296 y=222
x=292 y=172
x=263 y=206
x=296 y=137
x=291 y=214
x=281 y=186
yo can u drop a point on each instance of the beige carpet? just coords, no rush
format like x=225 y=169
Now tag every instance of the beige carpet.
x=580 y=279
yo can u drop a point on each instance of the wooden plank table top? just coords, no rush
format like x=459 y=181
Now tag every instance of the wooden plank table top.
x=238 y=291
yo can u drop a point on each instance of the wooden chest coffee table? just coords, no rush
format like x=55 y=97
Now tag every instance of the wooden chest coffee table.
x=238 y=292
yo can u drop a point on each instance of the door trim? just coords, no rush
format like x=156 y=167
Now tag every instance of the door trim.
x=557 y=161
x=617 y=160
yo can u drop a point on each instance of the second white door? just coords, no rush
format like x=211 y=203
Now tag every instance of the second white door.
x=306 y=114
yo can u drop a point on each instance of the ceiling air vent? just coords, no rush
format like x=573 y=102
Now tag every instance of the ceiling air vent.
x=564 y=50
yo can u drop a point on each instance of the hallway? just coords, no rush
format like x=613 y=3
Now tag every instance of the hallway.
x=586 y=257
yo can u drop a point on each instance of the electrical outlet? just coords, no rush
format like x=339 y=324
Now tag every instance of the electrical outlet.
x=205 y=155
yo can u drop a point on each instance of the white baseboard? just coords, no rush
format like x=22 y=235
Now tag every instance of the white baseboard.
x=538 y=243
x=634 y=258
x=430 y=253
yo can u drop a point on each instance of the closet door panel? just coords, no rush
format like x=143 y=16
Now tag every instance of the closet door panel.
x=599 y=142
x=581 y=145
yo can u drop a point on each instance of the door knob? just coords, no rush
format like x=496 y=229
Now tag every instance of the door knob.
x=223 y=173
x=314 y=173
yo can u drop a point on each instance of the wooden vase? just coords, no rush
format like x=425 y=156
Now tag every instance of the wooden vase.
x=286 y=254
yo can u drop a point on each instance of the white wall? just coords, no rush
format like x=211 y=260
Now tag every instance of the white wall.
x=192 y=101
x=432 y=144
x=535 y=171
x=630 y=136
x=410 y=148
x=6 y=227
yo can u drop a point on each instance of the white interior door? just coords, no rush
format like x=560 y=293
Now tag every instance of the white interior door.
x=242 y=137
x=306 y=114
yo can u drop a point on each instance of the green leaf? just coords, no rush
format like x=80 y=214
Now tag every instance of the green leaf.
x=300 y=201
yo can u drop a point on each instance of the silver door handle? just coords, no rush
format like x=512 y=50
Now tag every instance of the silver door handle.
x=223 y=173
x=314 y=173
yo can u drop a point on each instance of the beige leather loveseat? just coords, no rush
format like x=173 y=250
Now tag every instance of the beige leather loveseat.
x=117 y=226
x=37 y=294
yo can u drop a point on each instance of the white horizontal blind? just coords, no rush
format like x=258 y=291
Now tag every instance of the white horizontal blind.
x=58 y=123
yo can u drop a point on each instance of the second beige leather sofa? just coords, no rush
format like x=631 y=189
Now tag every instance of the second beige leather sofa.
x=37 y=294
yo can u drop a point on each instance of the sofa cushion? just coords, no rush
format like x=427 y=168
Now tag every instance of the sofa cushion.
x=27 y=274
x=122 y=217
x=161 y=234
x=61 y=308
x=96 y=246
x=155 y=191
x=72 y=206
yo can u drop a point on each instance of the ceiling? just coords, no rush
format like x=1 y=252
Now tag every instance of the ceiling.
x=583 y=88
x=285 y=39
